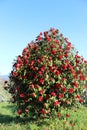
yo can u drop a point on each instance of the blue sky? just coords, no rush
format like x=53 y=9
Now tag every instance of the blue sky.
x=22 y=20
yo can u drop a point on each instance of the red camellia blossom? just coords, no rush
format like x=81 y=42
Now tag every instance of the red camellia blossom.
x=82 y=77
x=53 y=52
x=19 y=60
x=64 y=67
x=40 y=98
x=61 y=95
x=71 y=90
x=42 y=68
x=19 y=112
x=43 y=111
x=40 y=72
x=75 y=84
x=78 y=96
x=39 y=38
x=41 y=92
x=22 y=95
x=48 y=39
x=60 y=56
x=41 y=81
x=80 y=100
x=33 y=95
x=57 y=72
x=58 y=85
x=26 y=110
x=53 y=94
x=64 y=89
x=56 y=103
x=59 y=115
x=67 y=115
x=17 y=66
x=15 y=73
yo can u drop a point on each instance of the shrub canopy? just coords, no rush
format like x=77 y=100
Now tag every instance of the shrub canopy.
x=47 y=76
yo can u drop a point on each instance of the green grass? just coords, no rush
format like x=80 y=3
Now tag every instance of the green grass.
x=9 y=120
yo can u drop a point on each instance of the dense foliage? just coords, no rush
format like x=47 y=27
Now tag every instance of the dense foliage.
x=48 y=76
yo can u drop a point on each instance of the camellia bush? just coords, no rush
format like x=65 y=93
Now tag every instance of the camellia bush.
x=48 y=76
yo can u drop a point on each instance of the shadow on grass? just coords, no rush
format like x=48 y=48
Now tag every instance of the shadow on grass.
x=8 y=119
x=12 y=118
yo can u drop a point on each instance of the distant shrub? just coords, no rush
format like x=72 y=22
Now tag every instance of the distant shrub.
x=48 y=76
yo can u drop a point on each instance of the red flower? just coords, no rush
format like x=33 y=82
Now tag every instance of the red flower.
x=50 y=58
x=17 y=66
x=48 y=39
x=57 y=72
x=53 y=94
x=75 y=84
x=66 y=54
x=25 y=50
x=53 y=52
x=51 y=69
x=39 y=38
x=64 y=89
x=19 y=112
x=71 y=90
x=38 y=61
x=78 y=97
x=40 y=99
x=36 y=86
x=66 y=39
x=60 y=56
x=41 y=92
x=64 y=79
x=82 y=77
x=57 y=41
x=43 y=111
x=31 y=86
x=46 y=34
x=42 y=68
x=80 y=100
x=56 y=103
x=67 y=115
x=41 y=33
x=41 y=81
x=15 y=73
x=64 y=67
x=26 y=110
x=32 y=63
x=58 y=86
x=19 y=60
x=40 y=72
x=61 y=95
x=59 y=115
x=33 y=95
x=22 y=95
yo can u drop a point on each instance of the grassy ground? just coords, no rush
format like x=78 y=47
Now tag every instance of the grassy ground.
x=9 y=120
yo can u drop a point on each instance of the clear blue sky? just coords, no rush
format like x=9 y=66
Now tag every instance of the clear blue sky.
x=22 y=20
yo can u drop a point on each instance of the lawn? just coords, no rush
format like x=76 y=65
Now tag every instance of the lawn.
x=9 y=120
